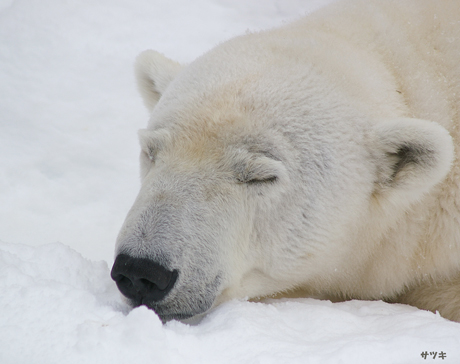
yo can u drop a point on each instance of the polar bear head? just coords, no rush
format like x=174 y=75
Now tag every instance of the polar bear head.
x=260 y=175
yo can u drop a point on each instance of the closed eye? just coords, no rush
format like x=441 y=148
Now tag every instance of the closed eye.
x=258 y=180
x=258 y=169
x=151 y=154
x=253 y=181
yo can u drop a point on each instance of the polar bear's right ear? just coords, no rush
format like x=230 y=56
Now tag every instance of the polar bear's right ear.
x=154 y=72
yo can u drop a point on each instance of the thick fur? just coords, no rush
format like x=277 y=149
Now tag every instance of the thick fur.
x=320 y=157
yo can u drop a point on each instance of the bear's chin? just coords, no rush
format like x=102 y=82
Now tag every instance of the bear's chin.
x=166 y=314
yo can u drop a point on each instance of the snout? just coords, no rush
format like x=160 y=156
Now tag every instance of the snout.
x=142 y=280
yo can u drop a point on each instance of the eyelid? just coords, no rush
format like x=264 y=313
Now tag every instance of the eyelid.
x=151 y=154
x=252 y=173
x=255 y=181
x=152 y=141
x=270 y=179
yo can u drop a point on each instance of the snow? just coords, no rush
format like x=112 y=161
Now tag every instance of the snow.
x=58 y=307
x=68 y=174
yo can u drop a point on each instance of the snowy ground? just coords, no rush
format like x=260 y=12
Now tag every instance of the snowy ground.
x=69 y=112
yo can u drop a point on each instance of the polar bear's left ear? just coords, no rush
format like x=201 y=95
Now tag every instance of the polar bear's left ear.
x=154 y=72
x=412 y=156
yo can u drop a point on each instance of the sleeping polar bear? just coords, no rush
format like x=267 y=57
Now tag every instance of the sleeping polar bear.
x=318 y=158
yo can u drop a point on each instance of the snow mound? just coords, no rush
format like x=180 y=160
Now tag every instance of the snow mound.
x=58 y=307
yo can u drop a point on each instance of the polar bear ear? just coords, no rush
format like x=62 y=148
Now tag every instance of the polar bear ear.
x=412 y=156
x=154 y=72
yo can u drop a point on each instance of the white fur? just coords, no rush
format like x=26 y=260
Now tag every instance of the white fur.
x=315 y=158
x=154 y=72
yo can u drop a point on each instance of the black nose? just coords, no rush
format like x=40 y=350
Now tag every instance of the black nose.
x=141 y=279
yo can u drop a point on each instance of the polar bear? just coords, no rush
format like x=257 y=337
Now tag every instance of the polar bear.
x=316 y=159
